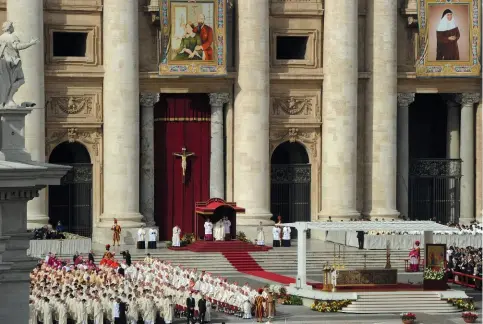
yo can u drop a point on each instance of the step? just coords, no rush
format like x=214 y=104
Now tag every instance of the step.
x=400 y=303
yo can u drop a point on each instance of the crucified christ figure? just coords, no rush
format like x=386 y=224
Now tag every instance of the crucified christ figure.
x=184 y=163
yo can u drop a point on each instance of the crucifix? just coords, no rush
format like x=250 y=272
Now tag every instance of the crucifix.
x=184 y=154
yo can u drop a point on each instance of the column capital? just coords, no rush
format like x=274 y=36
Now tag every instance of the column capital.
x=148 y=99
x=469 y=98
x=219 y=98
x=404 y=99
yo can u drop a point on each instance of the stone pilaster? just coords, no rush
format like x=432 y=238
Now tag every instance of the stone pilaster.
x=28 y=19
x=339 y=130
x=381 y=111
x=251 y=114
x=121 y=118
x=404 y=100
x=217 y=161
x=453 y=143
x=467 y=152
x=146 y=203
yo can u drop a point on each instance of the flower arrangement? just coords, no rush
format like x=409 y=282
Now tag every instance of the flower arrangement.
x=71 y=236
x=463 y=304
x=280 y=294
x=241 y=236
x=408 y=317
x=430 y=274
x=168 y=244
x=469 y=317
x=329 y=306
x=187 y=239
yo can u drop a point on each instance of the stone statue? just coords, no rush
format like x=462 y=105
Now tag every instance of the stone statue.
x=11 y=74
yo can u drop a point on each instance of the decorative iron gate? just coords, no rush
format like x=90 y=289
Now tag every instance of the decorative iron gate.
x=290 y=193
x=71 y=201
x=434 y=189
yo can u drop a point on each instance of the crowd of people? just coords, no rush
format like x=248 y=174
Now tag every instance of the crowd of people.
x=149 y=292
x=47 y=232
x=464 y=260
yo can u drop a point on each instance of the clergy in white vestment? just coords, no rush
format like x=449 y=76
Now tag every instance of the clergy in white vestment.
x=208 y=230
x=176 y=241
x=247 y=307
x=227 y=225
x=219 y=231
x=82 y=316
x=286 y=236
x=62 y=310
x=141 y=244
x=169 y=310
x=149 y=310
x=33 y=313
x=153 y=238
x=260 y=235
x=276 y=236
x=208 y=311
x=47 y=312
x=98 y=311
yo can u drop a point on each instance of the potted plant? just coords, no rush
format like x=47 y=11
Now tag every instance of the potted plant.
x=408 y=318
x=469 y=317
x=434 y=279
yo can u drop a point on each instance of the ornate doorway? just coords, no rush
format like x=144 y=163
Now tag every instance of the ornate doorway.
x=290 y=183
x=71 y=201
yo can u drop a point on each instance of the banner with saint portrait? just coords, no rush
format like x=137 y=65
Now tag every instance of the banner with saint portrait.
x=449 y=38
x=192 y=37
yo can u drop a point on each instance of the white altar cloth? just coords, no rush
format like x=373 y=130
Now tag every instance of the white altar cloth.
x=39 y=248
x=403 y=241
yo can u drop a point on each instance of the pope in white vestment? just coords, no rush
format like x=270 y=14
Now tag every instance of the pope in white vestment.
x=260 y=236
x=176 y=241
x=219 y=232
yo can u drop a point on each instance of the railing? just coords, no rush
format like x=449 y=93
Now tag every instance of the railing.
x=407 y=266
x=466 y=280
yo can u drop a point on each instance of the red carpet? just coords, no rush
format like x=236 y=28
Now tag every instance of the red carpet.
x=222 y=246
x=243 y=262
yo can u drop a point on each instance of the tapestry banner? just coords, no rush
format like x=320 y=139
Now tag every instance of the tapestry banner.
x=192 y=37
x=449 y=38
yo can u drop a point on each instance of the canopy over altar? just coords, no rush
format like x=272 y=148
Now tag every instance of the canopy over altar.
x=302 y=227
x=215 y=209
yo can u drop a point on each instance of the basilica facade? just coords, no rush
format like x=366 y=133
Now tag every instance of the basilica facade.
x=319 y=113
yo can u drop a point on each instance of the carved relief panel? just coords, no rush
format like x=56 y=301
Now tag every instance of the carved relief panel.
x=309 y=137
x=74 y=107
x=295 y=107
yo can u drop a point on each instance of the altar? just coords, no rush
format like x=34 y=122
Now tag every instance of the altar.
x=361 y=277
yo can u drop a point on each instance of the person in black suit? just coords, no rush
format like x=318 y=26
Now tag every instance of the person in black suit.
x=127 y=256
x=202 y=309
x=190 y=305
x=122 y=312
x=360 y=239
x=75 y=256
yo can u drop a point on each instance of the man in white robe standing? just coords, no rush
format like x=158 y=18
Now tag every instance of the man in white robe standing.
x=260 y=235
x=169 y=310
x=286 y=236
x=141 y=244
x=227 y=225
x=176 y=241
x=153 y=238
x=47 y=312
x=208 y=230
x=98 y=311
x=219 y=232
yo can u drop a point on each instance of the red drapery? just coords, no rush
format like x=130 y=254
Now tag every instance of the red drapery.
x=180 y=120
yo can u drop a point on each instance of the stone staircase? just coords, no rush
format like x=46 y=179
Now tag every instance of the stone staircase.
x=398 y=302
x=277 y=260
x=284 y=260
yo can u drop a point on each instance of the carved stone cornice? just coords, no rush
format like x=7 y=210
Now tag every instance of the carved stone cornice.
x=469 y=99
x=404 y=99
x=13 y=194
x=148 y=99
x=309 y=137
x=219 y=98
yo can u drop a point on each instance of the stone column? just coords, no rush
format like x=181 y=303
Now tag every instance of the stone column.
x=121 y=116
x=467 y=151
x=453 y=143
x=217 y=157
x=404 y=100
x=381 y=111
x=28 y=20
x=339 y=130
x=252 y=97
x=146 y=202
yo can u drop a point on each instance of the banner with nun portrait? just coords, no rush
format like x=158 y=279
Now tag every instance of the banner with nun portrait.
x=449 y=38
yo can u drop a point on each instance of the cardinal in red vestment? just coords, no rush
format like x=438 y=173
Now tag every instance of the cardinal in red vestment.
x=206 y=35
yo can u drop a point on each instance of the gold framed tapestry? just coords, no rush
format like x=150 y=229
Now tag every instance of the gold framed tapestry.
x=192 y=37
x=449 y=38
